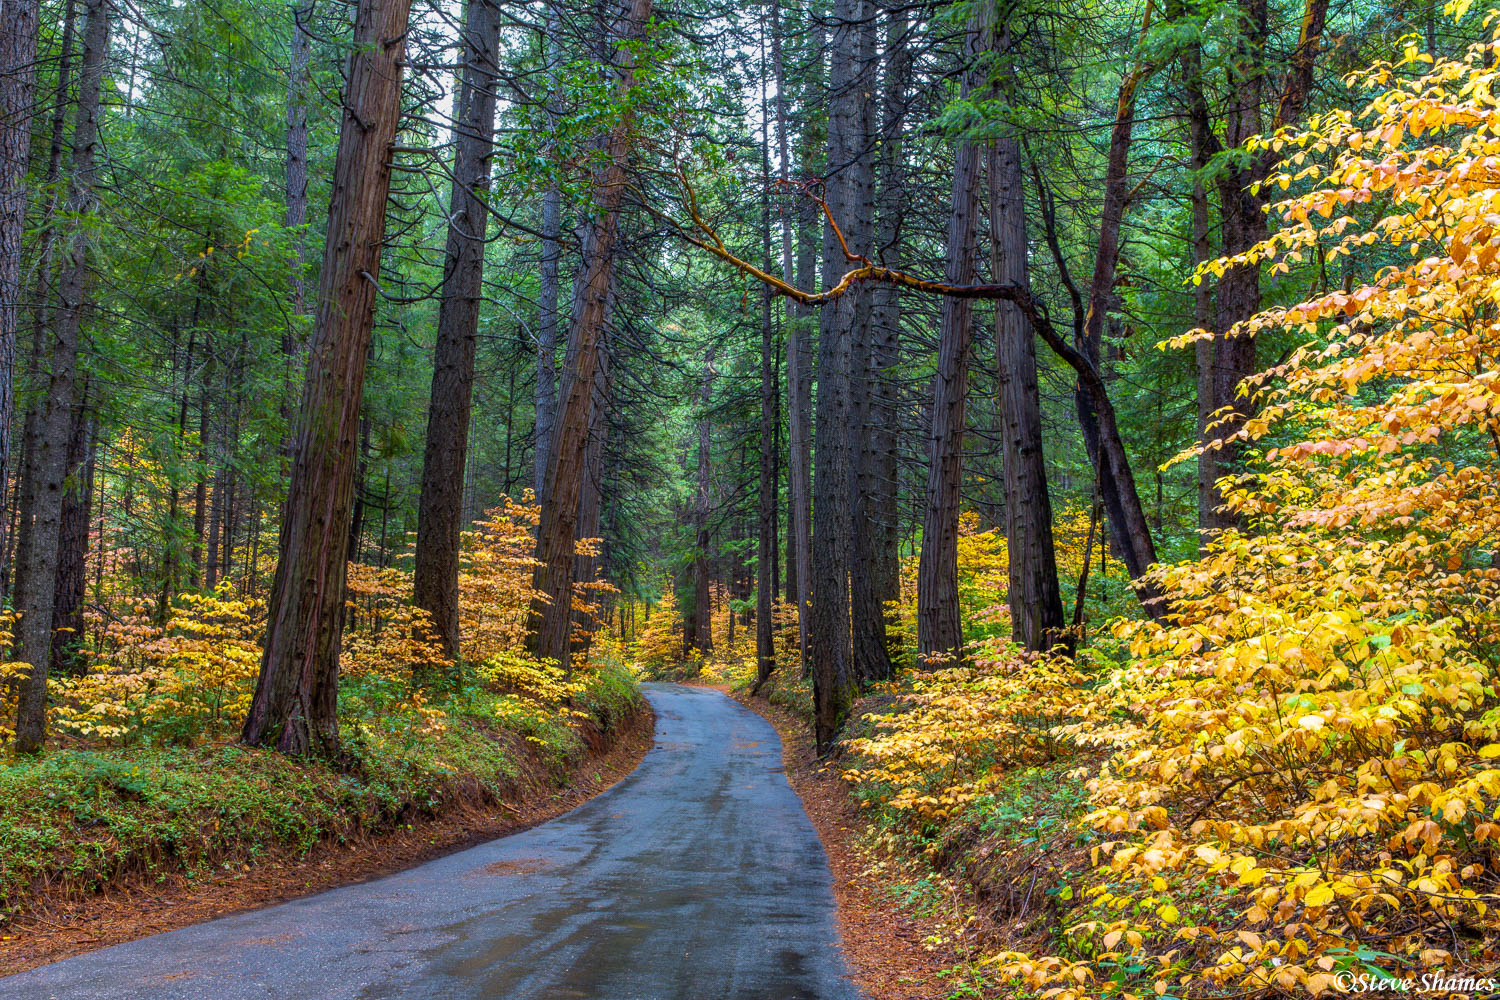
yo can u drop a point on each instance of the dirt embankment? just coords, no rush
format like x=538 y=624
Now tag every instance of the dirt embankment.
x=127 y=909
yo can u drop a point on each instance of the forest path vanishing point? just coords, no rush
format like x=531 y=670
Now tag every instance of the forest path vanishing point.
x=699 y=877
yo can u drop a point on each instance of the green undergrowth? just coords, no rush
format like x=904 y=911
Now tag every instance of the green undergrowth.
x=75 y=819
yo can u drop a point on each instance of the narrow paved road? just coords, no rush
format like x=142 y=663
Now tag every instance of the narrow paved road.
x=699 y=877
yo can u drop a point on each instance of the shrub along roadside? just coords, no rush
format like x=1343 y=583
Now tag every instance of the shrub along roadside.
x=75 y=821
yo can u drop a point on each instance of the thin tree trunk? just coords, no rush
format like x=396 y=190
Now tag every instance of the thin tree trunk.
x=799 y=396
x=297 y=80
x=703 y=638
x=296 y=145
x=39 y=587
x=1106 y=448
x=295 y=707
x=440 y=508
x=766 y=484
x=553 y=578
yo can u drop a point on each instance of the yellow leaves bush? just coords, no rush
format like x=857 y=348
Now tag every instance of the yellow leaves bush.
x=955 y=732
x=1301 y=768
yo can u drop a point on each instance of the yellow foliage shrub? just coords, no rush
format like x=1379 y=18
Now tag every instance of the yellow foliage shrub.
x=1316 y=734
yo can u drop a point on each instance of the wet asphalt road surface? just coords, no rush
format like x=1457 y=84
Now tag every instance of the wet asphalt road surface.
x=699 y=877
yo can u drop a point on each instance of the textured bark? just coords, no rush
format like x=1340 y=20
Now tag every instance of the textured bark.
x=40 y=301
x=835 y=682
x=48 y=460
x=703 y=505
x=885 y=316
x=553 y=578
x=18 y=38
x=440 y=514
x=939 y=631
x=766 y=482
x=546 y=333
x=296 y=694
x=73 y=542
x=1036 y=609
x=296 y=152
x=591 y=490
x=798 y=361
x=872 y=660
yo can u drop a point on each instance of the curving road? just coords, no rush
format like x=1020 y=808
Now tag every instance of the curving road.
x=699 y=877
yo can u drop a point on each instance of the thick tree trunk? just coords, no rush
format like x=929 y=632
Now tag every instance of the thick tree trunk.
x=939 y=631
x=872 y=660
x=440 y=509
x=546 y=333
x=18 y=41
x=1035 y=597
x=553 y=578
x=73 y=542
x=591 y=490
x=41 y=301
x=38 y=591
x=835 y=681
x=296 y=695
x=885 y=317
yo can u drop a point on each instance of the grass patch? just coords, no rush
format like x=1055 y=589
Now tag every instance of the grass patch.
x=74 y=820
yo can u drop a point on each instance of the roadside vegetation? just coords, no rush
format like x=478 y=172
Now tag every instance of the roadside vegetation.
x=147 y=777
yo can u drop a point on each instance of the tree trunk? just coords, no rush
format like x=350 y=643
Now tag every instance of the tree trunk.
x=546 y=334
x=18 y=42
x=41 y=299
x=73 y=542
x=766 y=483
x=872 y=660
x=296 y=694
x=440 y=509
x=885 y=317
x=703 y=638
x=38 y=592
x=1036 y=609
x=591 y=490
x=939 y=631
x=798 y=387
x=1096 y=416
x=835 y=682
x=298 y=77
x=553 y=577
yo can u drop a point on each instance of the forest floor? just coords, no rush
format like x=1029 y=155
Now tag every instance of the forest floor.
x=57 y=925
x=895 y=951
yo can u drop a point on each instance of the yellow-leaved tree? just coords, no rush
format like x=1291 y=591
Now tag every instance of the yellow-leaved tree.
x=1315 y=736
